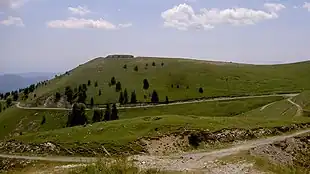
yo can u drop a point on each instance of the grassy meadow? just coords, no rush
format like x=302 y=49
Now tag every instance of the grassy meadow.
x=178 y=79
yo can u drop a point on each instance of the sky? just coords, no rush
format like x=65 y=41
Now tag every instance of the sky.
x=58 y=35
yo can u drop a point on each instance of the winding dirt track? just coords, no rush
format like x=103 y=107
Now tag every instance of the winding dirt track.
x=169 y=104
x=186 y=161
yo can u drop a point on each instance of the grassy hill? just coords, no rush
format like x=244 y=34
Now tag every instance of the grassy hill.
x=120 y=135
x=14 y=121
x=178 y=79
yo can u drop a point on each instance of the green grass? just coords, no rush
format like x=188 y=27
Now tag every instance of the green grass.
x=14 y=120
x=118 y=136
x=303 y=99
x=242 y=79
x=278 y=110
x=207 y=109
x=119 y=166
x=263 y=164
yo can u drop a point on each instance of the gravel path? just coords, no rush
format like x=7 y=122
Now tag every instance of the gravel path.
x=186 y=161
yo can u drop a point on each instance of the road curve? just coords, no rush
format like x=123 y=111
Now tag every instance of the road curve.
x=299 y=108
x=174 y=162
x=169 y=104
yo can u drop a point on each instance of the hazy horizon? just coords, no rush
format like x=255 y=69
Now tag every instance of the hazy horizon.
x=55 y=36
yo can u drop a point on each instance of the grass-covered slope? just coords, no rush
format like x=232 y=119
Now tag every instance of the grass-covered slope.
x=217 y=79
x=15 y=121
x=121 y=133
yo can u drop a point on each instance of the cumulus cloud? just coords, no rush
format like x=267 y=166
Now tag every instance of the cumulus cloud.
x=307 y=6
x=17 y=21
x=11 y=4
x=183 y=17
x=78 y=23
x=80 y=10
x=272 y=7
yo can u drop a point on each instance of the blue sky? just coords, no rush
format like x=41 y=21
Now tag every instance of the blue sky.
x=54 y=36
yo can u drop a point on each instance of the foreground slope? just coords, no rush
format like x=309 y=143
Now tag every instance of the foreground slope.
x=178 y=79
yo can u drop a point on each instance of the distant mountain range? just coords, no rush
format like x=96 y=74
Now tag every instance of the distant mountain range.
x=10 y=82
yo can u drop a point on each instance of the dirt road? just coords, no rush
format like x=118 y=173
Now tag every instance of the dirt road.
x=169 y=104
x=186 y=161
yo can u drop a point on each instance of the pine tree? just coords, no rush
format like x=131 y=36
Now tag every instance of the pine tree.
x=92 y=102
x=99 y=92
x=0 y=107
x=89 y=83
x=118 y=86
x=167 y=100
x=57 y=96
x=77 y=115
x=8 y=102
x=43 y=120
x=69 y=94
x=97 y=116
x=136 y=68
x=82 y=97
x=153 y=64
x=107 y=113
x=155 y=98
x=133 y=98
x=162 y=63
x=113 y=81
x=114 y=114
x=96 y=84
x=121 y=98
x=146 y=84
x=125 y=96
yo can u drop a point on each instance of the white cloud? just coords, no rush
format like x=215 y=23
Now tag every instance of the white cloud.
x=272 y=7
x=78 y=23
x=13 y=21
x=125 y=25
x=307 y=6
x=183 y=17
x=12 y=4
x=79 y=10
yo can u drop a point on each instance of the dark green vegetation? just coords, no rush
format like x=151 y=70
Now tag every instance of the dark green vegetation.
x=14 y=120
x=177 y=79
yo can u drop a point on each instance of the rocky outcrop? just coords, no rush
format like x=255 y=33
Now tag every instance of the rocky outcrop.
x=294 y=152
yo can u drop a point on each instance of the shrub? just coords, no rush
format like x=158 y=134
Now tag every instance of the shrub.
x=167 y=100
x=125 y=66
x=89 y=83
x=99 y=93
x=162 y=63
x=96 y=84
x=153 y=64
